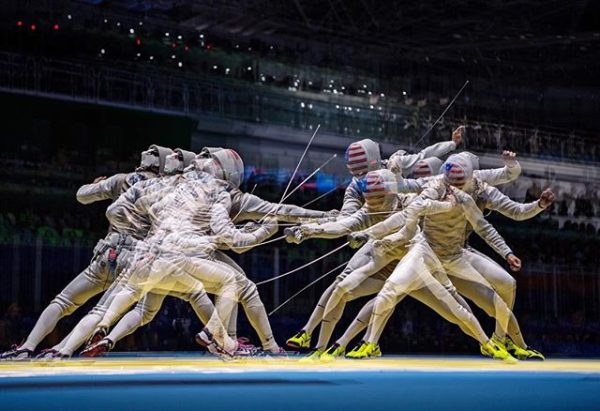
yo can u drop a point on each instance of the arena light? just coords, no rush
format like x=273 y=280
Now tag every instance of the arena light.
x=141 y=23
x=167 y=34
x=179 y=37
x=69 y=16
x=131 y=31
x=403 y=93
x=180 y=64
x=249 y=68
x=151 y=58
x=201 y=36
x=102 y=51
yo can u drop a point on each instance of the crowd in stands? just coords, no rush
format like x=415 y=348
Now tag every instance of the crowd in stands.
x=27 y=227
x=532 y=142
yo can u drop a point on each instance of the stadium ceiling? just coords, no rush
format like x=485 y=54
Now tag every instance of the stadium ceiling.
x=498 y=34
x=419 y=26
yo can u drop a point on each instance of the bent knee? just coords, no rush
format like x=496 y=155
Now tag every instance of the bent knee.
x=147 y=316
x=387 y=295
x=248 y=293
x=507 y=289
x=66 y=306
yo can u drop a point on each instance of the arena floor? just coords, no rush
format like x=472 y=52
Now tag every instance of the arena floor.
x=190 y=382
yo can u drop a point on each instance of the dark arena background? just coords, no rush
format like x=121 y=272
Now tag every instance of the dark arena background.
x=87 y=85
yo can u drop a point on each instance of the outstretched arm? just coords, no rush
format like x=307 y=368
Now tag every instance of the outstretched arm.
x=101 y=189
x=506 y=174
x=329 y=230
x=402 y=162
x=438 y=149
x=496 y=200
x=252 y=207
x=228 y=236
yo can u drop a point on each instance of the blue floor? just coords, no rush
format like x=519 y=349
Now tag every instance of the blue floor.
x=307 y=391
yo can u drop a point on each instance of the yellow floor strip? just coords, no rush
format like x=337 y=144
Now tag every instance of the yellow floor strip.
x=212 y=365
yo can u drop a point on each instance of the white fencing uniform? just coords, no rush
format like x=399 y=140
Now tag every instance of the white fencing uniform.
x=354 y=200
x=244 y=207
x=183 y=220
x=106 y=261
x=444 y=235
x=365 y=272
x=420 y=270
x=126 y=214
x=502 y=282
x=126 y=222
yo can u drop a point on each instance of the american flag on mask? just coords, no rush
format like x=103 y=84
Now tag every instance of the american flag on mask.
x=375 y=190
x=356 y=159
x=422 y=169
x=454 y=174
